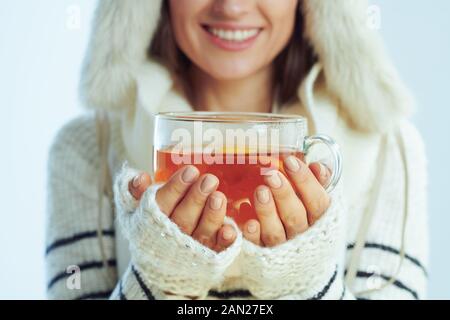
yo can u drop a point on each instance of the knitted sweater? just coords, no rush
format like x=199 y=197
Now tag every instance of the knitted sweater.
x=143 y=255
x=167 y=264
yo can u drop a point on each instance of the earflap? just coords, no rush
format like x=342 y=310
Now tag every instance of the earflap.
x=357 y=70
x=122 y=31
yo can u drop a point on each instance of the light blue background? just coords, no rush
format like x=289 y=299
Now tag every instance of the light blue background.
x=40 y=56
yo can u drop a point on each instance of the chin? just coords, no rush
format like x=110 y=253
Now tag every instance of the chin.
x=230 y=71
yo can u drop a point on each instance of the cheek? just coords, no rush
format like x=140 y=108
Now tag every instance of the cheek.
x=184 y=15
x=281 y=15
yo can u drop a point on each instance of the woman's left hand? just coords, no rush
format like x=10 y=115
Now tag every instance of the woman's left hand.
x=285 y=210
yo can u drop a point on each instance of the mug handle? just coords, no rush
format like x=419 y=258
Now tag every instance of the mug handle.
x=311 y=141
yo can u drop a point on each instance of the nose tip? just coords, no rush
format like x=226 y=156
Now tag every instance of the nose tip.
x=231 y=8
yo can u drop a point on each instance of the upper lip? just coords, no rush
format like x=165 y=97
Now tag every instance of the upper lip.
x=229 y=26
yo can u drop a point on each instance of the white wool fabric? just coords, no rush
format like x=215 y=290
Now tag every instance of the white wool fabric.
x=165 y=256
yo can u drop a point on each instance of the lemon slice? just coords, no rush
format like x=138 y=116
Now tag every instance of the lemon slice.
x=237 y=204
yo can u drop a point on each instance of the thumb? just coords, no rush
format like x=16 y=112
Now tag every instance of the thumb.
x=139 y=184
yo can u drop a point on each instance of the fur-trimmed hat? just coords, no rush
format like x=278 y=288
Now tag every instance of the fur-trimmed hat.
x=356 y=69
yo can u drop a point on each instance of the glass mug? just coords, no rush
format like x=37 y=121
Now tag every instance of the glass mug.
x=239 y=148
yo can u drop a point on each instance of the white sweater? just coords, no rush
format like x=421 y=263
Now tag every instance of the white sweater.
x=163 y=259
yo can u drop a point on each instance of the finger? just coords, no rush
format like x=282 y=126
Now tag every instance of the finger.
x=321 y=172
x=252 y=231
x=225 y=237
x=314 y=197
x=272 y=230
x=187 y=213
x=173 y=191
x=139 y=185
x=125 y=200
x=290 y=209
x=211 y=220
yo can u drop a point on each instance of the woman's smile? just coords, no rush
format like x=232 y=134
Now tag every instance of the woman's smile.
x=232 y=37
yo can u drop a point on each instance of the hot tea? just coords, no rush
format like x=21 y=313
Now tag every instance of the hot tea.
x=239 y=174
x=237 y=147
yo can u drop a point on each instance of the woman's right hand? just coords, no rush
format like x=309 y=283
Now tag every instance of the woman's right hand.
x=192 y=202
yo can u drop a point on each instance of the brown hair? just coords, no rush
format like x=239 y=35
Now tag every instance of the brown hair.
x=291 y=65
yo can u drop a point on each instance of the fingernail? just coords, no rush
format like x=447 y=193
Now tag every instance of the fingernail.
x=274 y=180
x=215 y=203
x=189 y=174
x=137 y=181
x=263 y=195
x=252 y=227
x=292 y=164
x=323 y=171
x=227 y=234
x=208 y=184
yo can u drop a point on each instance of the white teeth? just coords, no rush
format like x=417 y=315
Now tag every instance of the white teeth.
x=237 y=35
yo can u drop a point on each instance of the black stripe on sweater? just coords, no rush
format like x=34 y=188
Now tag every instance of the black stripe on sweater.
x=95 y=295
x=83 y=267
x=121 y=294
x=344 y=290
x=371 y=245
x=75 y=238
x=141 y=283
x=325 y=289
x=230 y=294
x=398 y=284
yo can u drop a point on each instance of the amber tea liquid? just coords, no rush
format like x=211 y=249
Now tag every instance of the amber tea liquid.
x=239 y=175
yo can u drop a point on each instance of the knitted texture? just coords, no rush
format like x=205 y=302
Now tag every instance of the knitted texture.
x=298 y=265
x=168 y=258
x=123 y=198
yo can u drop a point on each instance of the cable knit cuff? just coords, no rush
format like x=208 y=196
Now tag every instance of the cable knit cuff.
x=125 y=202
x=166 y=257
x=302 y=266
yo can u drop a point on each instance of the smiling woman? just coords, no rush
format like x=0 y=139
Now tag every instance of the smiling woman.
x=315 y=58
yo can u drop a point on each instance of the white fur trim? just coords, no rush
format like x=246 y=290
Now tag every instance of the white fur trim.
x=357 y=70
x=120 y=38
x=154 y=83
x=356 y=67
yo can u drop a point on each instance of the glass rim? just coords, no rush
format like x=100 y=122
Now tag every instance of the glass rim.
x=231 y=117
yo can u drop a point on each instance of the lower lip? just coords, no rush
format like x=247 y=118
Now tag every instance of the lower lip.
x=232 y=45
